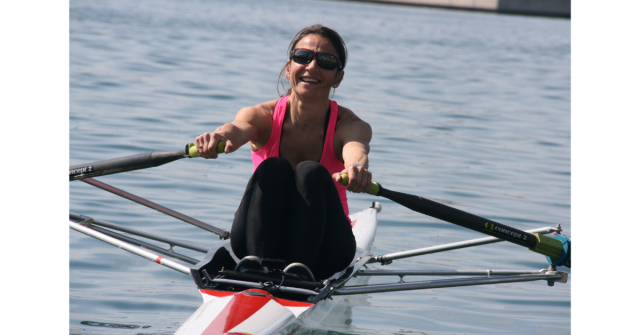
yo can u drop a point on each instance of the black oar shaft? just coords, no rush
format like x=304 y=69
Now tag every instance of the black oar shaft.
x=134 y=162
x=123 y=164
x=461 y=218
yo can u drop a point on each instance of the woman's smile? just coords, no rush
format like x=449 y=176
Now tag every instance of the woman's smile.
x=309 y=80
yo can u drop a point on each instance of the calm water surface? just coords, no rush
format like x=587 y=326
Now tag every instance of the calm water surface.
x=471 y=109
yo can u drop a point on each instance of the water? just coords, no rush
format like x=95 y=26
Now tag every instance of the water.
x=470 y=109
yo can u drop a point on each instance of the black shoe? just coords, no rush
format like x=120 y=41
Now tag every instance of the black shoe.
x=300 y=270
x=250 y=264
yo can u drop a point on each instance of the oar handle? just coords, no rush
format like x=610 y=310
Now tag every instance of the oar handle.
x=193 y=150
x=373 y=190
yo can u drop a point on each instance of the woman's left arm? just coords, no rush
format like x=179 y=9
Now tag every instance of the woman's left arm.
x=355 y=135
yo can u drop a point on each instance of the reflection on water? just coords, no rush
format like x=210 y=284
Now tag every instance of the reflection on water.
x=111 y=325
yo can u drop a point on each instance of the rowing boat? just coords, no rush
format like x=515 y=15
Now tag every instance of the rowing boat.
x=268 y=299
x=268 y=306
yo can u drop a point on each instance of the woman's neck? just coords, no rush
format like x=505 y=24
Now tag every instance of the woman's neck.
x=307 y=112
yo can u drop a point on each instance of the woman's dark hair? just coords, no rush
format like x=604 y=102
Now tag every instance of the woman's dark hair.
x=320 y=30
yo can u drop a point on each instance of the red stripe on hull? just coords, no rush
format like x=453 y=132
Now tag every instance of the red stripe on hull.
x=283 y=302
x=240 y=308
x=291 y=303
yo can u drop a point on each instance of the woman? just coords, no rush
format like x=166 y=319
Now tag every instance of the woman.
x=294 y=209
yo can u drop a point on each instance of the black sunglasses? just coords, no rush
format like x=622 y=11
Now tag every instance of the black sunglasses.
x=325 y=61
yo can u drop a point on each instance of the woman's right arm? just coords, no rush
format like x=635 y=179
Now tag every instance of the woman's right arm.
x=251 y=124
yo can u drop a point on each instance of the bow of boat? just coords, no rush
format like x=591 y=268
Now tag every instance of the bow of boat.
x=246 y=303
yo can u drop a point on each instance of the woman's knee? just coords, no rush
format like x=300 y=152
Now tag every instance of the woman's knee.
x=311 y=171
x=274 y=169
x=274 y=163
x=313 y=180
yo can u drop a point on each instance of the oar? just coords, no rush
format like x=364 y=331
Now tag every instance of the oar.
x=556 y=249
x=134 y=162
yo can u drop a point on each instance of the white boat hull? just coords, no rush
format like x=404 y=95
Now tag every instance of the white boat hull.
x=255 y=311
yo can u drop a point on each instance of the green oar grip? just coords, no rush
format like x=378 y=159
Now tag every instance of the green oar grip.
x=193 y=150
x=373 y=190
x=548 y=246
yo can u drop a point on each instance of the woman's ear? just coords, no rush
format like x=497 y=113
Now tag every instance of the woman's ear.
x=338 y=79
x=288 y=68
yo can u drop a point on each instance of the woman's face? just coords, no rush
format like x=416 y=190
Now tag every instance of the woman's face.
x=310 y=80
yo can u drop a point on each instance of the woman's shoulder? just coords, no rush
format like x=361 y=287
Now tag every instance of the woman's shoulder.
x=260 y=118
x=268 y=106
x=259 y=115
x=347 y=117
x=349 y=122
x=344 y=112
x=264 y=109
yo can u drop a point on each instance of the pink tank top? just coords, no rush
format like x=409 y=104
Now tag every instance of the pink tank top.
x=328 y=159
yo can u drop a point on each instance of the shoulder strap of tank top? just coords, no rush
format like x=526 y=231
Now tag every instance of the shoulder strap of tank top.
x=278 y=116
x=328 y=151
x=278 y=121
x=326 y=124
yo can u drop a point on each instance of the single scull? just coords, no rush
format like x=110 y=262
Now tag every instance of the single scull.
x=270 y=300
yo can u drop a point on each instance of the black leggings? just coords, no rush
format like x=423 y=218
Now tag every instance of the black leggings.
x=294 y=215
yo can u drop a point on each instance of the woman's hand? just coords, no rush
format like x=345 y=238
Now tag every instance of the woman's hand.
x=206 y=144
x=251 y=123
x=359 y=178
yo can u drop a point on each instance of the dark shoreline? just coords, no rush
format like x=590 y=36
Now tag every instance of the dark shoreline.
x=546 y=8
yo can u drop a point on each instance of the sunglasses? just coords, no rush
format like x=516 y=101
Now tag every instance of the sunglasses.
x=325 y=61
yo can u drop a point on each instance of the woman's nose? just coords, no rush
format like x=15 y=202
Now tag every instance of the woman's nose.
x=313 y=64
